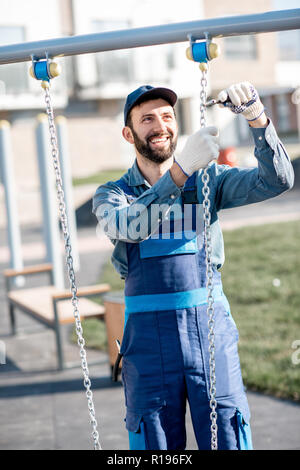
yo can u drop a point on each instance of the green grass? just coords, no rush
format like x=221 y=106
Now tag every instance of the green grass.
x=268 y=317
x=99 y=178
x=94 y=333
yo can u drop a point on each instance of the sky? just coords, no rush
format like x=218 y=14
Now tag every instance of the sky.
x=286 y=4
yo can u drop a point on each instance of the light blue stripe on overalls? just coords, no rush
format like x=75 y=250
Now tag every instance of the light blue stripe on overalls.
x=137 y=440
x=244 y=430
x=182 y=243
x=169 y=301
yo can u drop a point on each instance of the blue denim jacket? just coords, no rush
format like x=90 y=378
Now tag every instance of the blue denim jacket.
x=229 y=187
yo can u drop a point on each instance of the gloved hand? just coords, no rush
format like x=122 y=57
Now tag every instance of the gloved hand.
x=200 y=148
x=243 y=99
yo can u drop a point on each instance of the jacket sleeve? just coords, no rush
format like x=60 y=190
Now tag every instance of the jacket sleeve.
x=135 y=221
x=273 y=175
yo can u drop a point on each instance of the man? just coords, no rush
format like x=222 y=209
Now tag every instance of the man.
x=154 y=215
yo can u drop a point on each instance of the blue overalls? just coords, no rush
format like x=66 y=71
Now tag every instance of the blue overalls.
x=165 y=343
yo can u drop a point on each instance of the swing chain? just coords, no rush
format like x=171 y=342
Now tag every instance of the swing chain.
x=203 y=88
x=209 y=277
x=69 y=261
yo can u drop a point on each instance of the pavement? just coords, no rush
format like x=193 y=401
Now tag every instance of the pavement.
x=45 y=409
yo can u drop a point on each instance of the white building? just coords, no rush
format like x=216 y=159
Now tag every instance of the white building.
x=22 y=22
x=92 y=88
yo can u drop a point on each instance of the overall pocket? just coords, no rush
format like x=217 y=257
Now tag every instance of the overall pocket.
x=142 y=371
x=228 y=370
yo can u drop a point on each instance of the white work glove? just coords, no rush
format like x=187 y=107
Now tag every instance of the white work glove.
x=200 y=148
x=244 y=99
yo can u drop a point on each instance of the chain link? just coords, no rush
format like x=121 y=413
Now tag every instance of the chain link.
x=209 y=277
x=69 y=261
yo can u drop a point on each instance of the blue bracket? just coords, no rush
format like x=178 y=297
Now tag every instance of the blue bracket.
x=41 y=69
x=200 y=49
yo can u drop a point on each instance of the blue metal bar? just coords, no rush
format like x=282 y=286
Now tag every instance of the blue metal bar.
x=7 y=176
x=49 y=205
x=66 y=175
x=270 y=21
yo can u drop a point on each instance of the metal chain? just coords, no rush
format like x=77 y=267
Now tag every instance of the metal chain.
x=209 y=278
x=69 y=261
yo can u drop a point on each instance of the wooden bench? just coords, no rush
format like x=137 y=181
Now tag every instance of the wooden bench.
x=49 y=305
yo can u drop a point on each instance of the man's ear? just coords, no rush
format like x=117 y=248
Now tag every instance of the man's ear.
x=127 y=134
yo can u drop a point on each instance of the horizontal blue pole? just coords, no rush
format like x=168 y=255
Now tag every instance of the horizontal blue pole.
x=270 y=21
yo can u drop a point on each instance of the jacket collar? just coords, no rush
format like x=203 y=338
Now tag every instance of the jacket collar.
x=135 y=176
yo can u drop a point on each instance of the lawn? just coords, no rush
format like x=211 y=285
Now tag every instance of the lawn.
x=261 y=280
x=100 y=178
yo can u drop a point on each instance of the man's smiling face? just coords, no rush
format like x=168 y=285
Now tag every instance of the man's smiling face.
x=153 y=129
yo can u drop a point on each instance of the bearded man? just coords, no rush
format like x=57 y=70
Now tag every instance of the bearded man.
x=160 y=253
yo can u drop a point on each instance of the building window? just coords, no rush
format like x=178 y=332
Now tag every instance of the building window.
x=240 y=48
x=289 y=45
x=13 y=77
x=283 y=113
x=116 y=66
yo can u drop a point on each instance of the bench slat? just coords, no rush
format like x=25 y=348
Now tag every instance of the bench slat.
x=38 y=301
x=40 y=268
x=82 y=291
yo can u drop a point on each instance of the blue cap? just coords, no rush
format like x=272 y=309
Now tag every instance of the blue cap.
x=145 y=93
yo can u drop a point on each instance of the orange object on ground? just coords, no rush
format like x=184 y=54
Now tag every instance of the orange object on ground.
x=227 y=156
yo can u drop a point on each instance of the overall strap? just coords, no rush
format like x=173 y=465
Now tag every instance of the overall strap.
x=128 y=190
x=189 y=194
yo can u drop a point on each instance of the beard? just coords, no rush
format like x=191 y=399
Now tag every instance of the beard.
x=155 y=155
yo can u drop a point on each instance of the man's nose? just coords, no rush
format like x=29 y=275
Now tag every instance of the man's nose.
x=160 y=125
